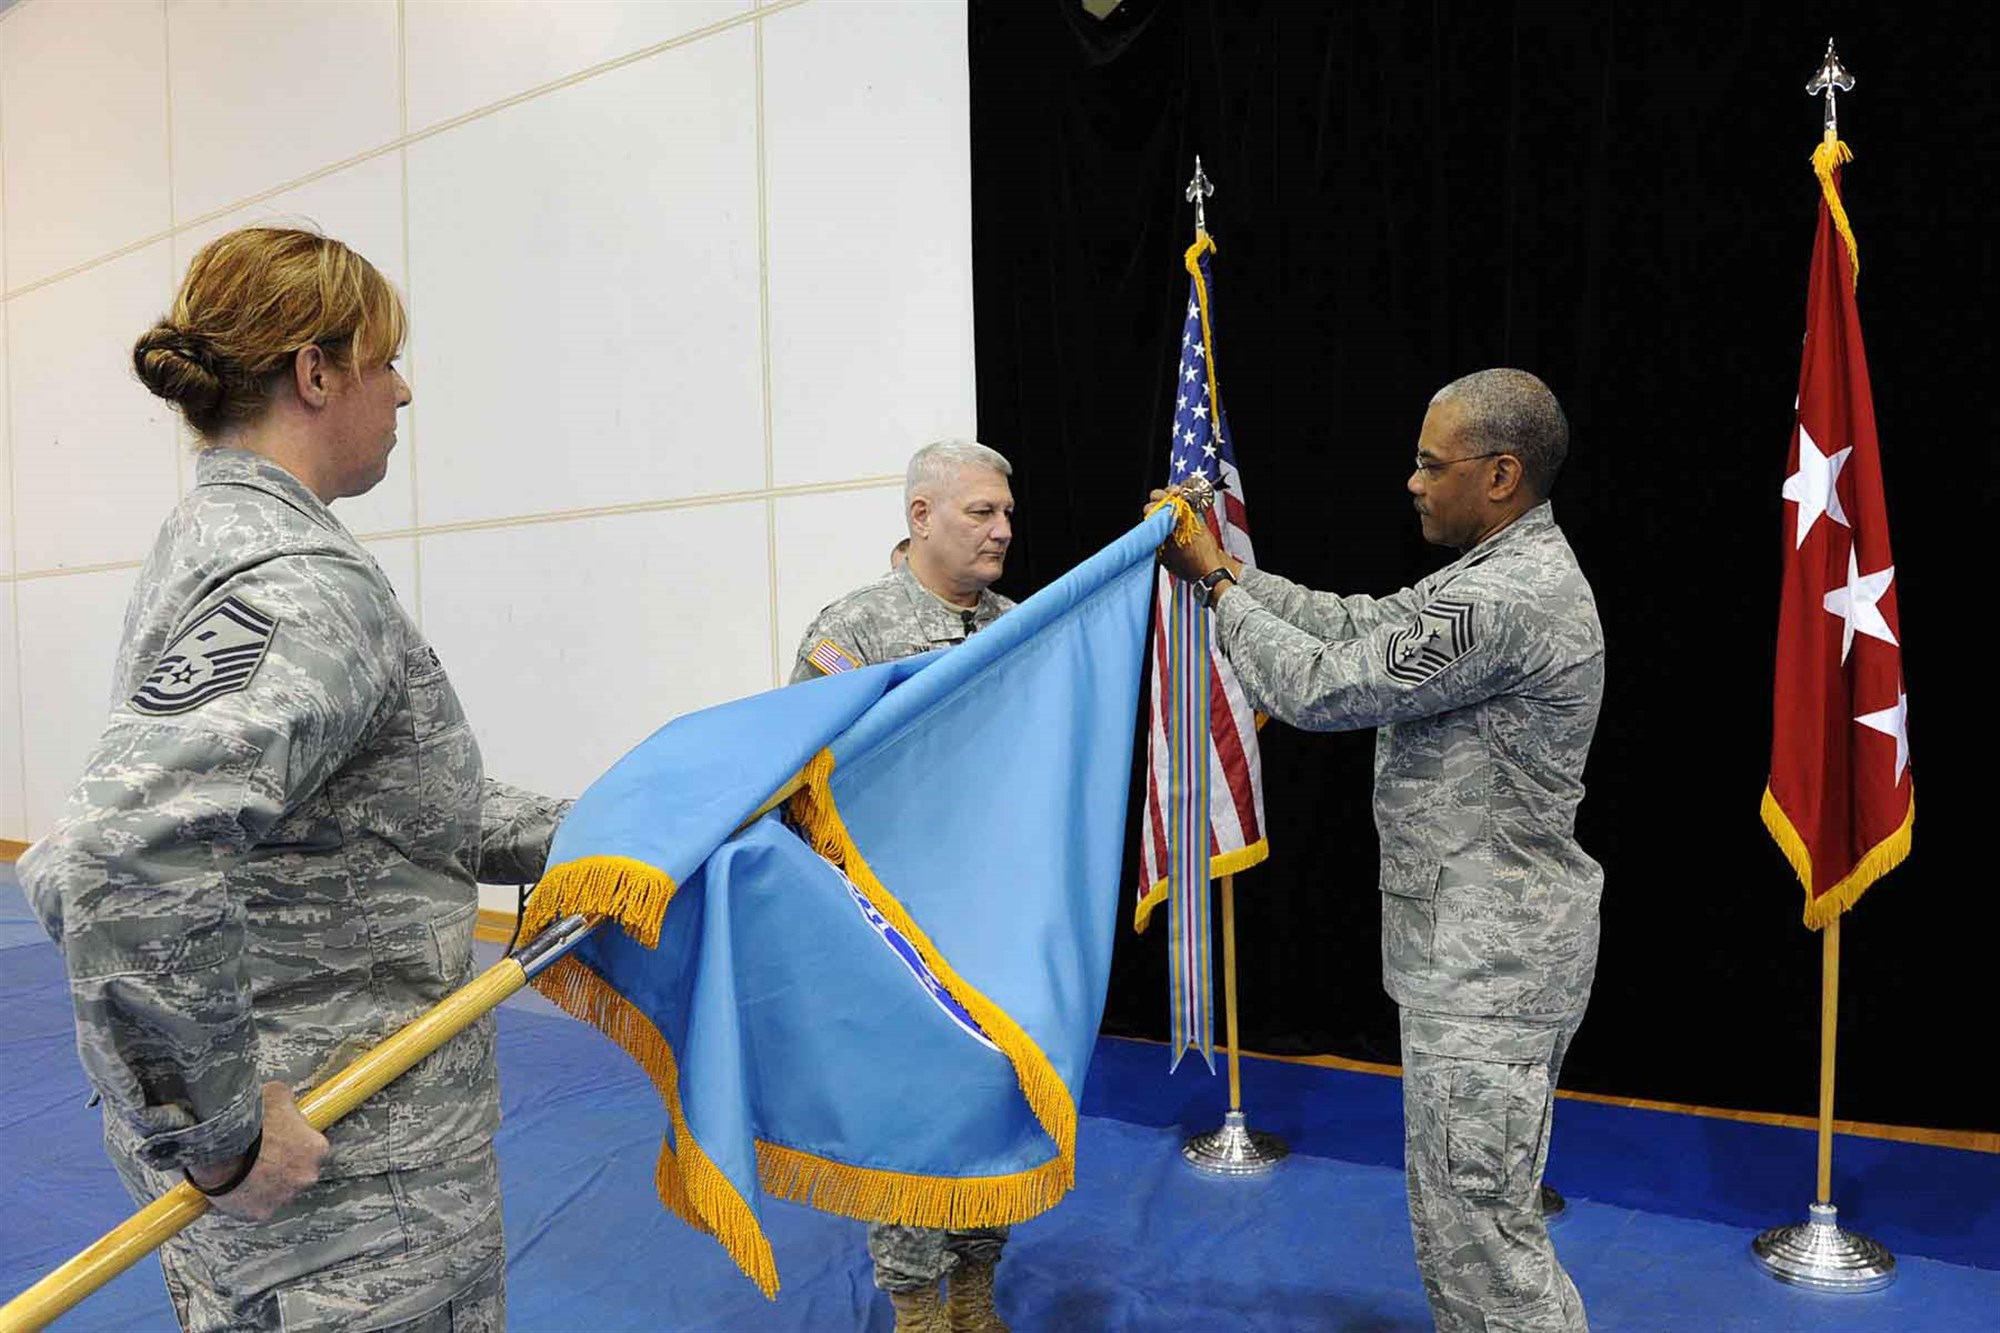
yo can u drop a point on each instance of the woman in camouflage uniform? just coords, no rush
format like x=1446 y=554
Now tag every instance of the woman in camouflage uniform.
x=271 y=860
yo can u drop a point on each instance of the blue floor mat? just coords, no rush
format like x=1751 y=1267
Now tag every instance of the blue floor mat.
x=1662 y=1206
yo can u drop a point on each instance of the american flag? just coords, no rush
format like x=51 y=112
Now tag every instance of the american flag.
x=1200 y=444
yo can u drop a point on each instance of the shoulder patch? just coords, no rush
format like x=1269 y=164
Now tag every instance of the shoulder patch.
x=1440 y=635
x=830 y=658
x=216 y=655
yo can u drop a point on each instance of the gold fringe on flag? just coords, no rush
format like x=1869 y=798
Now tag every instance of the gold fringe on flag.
x=1186 y=522
x=1876 y=862
x=819 y=823
x=689 y=1183
x=924 y=1201
x=632 y=893
x=1826 y=160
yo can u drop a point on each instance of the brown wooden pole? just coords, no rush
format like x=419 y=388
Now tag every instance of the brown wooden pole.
x=150 y=1227
x=1229 y=988
x=146 y=1230
x=1829 y=1012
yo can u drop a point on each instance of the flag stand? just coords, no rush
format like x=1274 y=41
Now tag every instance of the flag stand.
x=1235 y=1149
x=1818 y=1253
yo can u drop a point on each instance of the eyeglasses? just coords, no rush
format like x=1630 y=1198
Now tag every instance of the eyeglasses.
x=1440 y=464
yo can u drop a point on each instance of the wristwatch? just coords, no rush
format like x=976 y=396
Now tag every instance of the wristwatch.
x=1211 y=584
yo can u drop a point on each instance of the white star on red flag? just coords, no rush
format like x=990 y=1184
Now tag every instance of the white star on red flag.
x=1893 y=722
x=1815 y=486
x=1856 y=606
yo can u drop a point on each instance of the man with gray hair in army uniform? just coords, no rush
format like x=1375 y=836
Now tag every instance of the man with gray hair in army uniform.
x=1484 y=681
x=960 y=511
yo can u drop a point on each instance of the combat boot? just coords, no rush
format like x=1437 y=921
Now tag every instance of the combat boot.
x=919 y=1311
x=971 y=1307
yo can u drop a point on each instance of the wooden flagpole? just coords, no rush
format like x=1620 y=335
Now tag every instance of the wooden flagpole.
x=1229 y=989
x=156 y=1223
x=1829 y=1011
x=149 y=1228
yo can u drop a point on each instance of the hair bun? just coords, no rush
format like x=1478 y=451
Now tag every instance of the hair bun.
x=181 y=367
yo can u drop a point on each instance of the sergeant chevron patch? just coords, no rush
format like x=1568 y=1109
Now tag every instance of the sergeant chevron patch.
x=1440 y=635
x=214 y=656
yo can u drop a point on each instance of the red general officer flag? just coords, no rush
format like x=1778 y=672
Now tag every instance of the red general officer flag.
x=1840 y=800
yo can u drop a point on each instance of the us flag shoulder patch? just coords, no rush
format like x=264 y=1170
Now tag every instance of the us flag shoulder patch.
x=829 y=658
x=216 y=655
x=1440 y=635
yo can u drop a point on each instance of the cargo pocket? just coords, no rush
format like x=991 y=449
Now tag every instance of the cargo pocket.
x=451 y=944
x=1546 y=1317
x=1493 y=1126
x=1409 y=916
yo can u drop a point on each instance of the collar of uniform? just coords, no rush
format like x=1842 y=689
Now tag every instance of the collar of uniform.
x=240 y=467
x=1540 y=519
x=943 y=624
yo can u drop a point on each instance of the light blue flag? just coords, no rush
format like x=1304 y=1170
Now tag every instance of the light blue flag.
x=880 y=996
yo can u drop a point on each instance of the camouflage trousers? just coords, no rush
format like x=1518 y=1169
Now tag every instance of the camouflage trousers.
x=417 y=1251
x=912 y=1258
x=1478 y=1098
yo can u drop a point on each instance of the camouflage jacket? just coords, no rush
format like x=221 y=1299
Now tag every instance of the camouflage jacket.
x=891 y=618
x=270 y=860
x=1485 y=680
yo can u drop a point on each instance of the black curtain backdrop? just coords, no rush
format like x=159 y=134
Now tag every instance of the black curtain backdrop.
x=1618 y=198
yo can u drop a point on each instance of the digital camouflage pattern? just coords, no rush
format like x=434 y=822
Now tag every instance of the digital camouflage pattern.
x=1478 y=1097
x=1485 y=681
x=345 y=1256
x=915 y=1258
x=892 y=618
x=263 y=873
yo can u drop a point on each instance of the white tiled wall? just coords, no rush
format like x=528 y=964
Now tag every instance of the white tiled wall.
x=83 y=131
x=870 y=206
x=13 y=813
x=66 y=640
x=688 y=281
x=94 y=462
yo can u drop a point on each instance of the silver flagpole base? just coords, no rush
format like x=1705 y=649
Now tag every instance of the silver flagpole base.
x=1234 y=1150
x=1819 y=1255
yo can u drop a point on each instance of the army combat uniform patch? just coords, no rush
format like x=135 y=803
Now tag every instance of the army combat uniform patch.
x=829 y=658
x=216 y=655
x=1440 y=635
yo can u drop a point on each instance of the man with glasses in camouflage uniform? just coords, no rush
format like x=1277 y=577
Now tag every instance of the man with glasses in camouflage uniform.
x=1484 y=681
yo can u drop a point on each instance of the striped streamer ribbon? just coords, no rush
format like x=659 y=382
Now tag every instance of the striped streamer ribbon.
x=1189 y=981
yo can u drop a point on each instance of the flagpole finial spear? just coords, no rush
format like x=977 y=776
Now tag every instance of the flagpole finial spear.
x=1199 y=189
x=1832 y=77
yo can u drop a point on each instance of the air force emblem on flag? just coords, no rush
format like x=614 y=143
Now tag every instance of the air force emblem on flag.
x=1440 y=635
x=914 y=961
x=214 y=656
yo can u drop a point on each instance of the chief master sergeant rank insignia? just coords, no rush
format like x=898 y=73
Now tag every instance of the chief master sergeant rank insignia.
x=214 y=656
